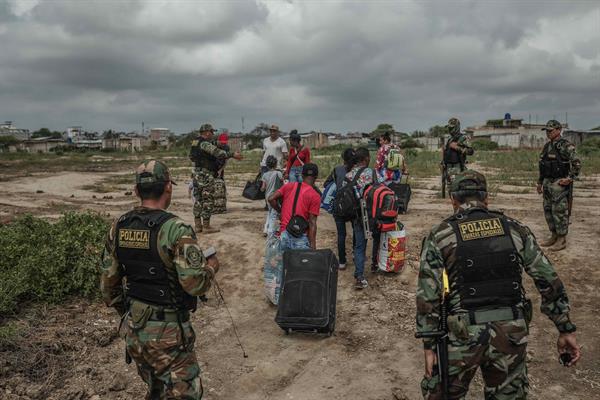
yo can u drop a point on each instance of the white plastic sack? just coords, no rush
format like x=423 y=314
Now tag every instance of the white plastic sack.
x=273 y=270
x=392 y=250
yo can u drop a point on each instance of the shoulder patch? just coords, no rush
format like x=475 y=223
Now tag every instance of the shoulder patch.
x=193 y=256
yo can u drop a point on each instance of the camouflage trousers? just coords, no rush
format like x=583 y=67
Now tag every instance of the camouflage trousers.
x=169 y=368
x=556 y=206
x=451 y=171
x=220 y=197
x=498 y=348
x=204 y=193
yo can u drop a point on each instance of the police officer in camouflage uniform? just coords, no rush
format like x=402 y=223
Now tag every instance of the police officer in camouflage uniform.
x=153 y=270
x=456 y=149
x=483 y=254
x=559 y=167
x=205 y=154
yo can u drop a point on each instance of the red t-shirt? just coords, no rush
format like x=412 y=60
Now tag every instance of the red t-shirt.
x=309 y=202
x=303 y=158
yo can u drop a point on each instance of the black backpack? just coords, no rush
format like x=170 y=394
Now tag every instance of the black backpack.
x=346 y=205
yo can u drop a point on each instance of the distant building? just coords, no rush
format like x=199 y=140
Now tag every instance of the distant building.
x=577 y=137
x=124 y=142
x=511 y=133
x=8 y=129
x=74 y=133
x=40 y=145
x=160 y=136
x=350 y=139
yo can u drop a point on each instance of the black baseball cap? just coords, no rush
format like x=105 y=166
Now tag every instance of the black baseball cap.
x=310 y=170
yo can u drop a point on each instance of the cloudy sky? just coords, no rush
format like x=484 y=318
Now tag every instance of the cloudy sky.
x=310 y=65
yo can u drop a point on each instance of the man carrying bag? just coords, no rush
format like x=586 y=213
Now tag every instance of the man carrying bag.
x=299 y=210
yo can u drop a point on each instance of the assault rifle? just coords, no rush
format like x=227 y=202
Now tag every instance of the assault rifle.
x=570 y=199
x=363 y=214
x=441 y=337
x=444 y=170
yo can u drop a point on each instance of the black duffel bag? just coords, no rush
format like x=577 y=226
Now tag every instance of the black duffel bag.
x=252 y=189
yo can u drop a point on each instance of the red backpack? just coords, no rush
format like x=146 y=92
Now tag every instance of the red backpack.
x=381 y=207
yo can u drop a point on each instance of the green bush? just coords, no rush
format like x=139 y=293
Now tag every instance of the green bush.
x=590 y=146
x=43 y=261
x=484 y=145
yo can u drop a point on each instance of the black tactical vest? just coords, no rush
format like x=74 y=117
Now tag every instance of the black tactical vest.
x=201 y=158
x=551 y=164
x=452 y=156
x=486 y=272
x=147 y=278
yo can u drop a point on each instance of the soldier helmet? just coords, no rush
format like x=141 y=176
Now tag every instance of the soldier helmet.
x=152 y=171
x=469 y=181
x=206 y=128
x=551 y=125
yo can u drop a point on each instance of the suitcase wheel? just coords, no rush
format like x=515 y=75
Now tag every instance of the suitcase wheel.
x=288 y=331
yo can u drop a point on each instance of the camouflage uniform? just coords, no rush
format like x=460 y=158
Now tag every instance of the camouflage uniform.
x=204 y=154
x=220 y=187
x=220 y=206
x=556 y=197
x=455 y=159
x=160 y=339
x=498 y=343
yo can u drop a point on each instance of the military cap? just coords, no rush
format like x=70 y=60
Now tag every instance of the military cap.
x=552 y=124
x=453 y=122
x=274 y=128
x=152 y=171
x=206 y=127
x=469 y=180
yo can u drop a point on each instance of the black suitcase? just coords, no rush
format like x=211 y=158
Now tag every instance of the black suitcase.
x=403 y=193
x=308 y=291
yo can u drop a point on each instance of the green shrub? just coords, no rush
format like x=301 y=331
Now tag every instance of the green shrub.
x=590 y=147
x=43 y=261
x=482 y=144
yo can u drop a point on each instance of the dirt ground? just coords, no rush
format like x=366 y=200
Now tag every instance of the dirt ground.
x=373 y=353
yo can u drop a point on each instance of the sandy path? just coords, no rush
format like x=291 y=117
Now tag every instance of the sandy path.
x=372 y=354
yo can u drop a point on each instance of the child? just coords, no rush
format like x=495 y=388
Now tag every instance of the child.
x=271 y=181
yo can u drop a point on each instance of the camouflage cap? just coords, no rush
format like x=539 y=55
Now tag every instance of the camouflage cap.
x=452 y=122
x=469 y=180
x=552 y=124
x=152 y=171
x=207 y=127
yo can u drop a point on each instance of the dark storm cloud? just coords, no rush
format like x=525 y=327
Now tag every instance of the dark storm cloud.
x=308 y=65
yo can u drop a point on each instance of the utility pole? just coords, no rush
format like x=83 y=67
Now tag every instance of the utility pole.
x=242 y=124
x=566 y=118
x=142 y=128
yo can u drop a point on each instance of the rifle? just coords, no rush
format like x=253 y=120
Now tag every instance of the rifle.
x=444 y=169
x=363 y=214
x=570 y=199
x=441 y=337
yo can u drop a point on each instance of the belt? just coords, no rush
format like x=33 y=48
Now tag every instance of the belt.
x=498 y=314
x=169 y=315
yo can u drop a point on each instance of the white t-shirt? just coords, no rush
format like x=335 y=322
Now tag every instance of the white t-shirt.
x=274 y=148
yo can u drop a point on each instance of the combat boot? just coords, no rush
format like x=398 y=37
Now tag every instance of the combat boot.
x=561 y=243
x=550 y=241
x=208 y=229
x=198 y=225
